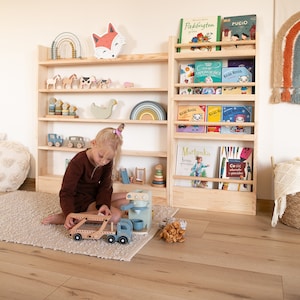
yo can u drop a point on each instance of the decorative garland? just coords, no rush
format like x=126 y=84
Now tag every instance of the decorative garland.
x=286 y=62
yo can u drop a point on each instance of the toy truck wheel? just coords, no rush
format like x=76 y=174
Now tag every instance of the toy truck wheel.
x=79 y=145
x=57 y=144
x=123 y=240
x=70 y=145
x=111 y=239
x=50 y=144
x=77 y=237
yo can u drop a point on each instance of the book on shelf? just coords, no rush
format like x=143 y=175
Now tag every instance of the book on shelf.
x=214 y=114
x=208 y=71
x=238 y=28
x=198 y=159
x=199 y=30
x=239 y=75
x=192 y=113
x=238 y=114
x=235 y=163
x=186 y=76
x=248 y=63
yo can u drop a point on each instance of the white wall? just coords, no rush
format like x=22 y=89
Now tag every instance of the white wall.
x=146 y=25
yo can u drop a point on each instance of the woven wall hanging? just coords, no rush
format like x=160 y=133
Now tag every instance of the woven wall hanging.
x=286 y=83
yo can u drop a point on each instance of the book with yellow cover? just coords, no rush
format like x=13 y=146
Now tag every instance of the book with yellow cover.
x=193 y=113
x=214 y=114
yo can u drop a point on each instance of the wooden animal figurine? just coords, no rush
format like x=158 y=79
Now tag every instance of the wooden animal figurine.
x=58 y=107
x=104 y=83
x=101 y=112
x=72 y=110
x=67 y=82
x=109 y=44
x=128 y=84
x=52 y=102
x=53 y=81
x=85 y=82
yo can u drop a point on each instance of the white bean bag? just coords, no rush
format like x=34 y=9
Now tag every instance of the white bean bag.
x=14 y=165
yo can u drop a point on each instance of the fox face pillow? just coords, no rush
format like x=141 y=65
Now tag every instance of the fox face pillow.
x=109 y=44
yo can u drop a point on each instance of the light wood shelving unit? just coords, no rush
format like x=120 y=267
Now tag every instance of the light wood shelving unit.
x=47 y=179
x=205 y=198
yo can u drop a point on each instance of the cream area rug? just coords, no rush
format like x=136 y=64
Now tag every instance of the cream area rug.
x=21 y=214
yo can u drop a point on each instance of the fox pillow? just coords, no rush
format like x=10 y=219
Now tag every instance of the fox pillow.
x=109 y=44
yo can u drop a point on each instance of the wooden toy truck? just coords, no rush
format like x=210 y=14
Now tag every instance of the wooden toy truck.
x=97 y=226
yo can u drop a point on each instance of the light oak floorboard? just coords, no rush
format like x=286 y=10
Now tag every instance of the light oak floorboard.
x=224 y=256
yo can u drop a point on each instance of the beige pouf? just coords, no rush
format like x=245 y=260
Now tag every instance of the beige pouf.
x=291 y=216
x=14 y=165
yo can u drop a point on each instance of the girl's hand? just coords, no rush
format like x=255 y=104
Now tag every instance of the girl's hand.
x=69 y=222
x=104 y=210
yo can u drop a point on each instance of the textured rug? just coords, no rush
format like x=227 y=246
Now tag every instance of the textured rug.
x=21 y=214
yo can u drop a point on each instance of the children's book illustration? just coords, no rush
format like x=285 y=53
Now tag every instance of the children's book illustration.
x=235 y=163
x=237 y=114
x=199 y=160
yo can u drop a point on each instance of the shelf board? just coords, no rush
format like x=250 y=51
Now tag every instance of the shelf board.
x=137 y=153
x=238 y=181
x=121 y=59
x=215 y=136
x=107 y=121
x=221 y=98
x=107 y=90
x=243 y=124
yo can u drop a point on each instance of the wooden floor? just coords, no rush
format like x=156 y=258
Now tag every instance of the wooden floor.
x=224 y=256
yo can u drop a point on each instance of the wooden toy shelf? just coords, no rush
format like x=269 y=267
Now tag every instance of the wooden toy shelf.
x=50 y=162
x=214 y=199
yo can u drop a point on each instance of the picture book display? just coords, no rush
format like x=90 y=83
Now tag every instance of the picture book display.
x=236 y=113
x=197 y=159
x=238 y=28
x=199 y=30
x=214 y=114
x=235 y=163
x=236 y=74
x=186 y=76
x=193 y=113
x=208 y=71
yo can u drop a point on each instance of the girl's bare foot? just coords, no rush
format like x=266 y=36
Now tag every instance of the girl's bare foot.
x=57 y=219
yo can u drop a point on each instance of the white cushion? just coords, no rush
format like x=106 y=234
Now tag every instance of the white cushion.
x=14 y=165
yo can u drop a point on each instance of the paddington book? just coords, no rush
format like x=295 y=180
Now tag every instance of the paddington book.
x=199 y=30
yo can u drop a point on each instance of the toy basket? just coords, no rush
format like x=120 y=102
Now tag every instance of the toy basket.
x=291 y=216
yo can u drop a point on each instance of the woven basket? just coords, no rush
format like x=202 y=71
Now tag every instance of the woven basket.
x=291 y=216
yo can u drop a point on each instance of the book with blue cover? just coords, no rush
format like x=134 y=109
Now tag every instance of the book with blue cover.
x=208 y=71
x=237 y=114
x=236 y=74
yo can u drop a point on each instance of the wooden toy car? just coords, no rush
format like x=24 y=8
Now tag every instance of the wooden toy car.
x=76 y=142
x=97 y=226
x=55 y=140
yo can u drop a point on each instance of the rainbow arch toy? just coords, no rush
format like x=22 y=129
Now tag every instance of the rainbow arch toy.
x=63 y=39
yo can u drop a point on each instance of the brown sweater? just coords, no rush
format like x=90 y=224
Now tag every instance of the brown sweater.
x=83 y=184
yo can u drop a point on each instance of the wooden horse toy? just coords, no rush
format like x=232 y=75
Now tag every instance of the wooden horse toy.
x=67 y=82
x=52 y=81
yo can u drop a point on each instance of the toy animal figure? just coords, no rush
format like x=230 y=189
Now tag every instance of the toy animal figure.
x=101 y=112
x=109 y=44
x=85 y=82
x=104 y=83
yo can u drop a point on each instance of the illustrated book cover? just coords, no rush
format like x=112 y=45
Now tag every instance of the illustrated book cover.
x=238 y=28
x=193 y=113
x=197 y=159
x=200 y=30
x=208 y=71
x=214 y=114
x=236 y=113
x=186 y=76
x=236 y=74
x=235 y=163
